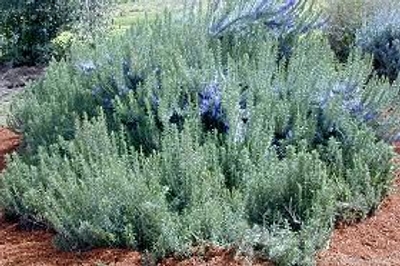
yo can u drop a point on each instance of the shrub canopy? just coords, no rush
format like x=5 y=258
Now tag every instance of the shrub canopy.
x=169 y=137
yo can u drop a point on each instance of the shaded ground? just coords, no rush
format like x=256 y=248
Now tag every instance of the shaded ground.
x=12 y=81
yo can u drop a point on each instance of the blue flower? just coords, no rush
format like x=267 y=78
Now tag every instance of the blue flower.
x=210 y=100
x=87 y=67
x=287 y=6
x=107 y=103
x=395 y=137
x=352 y=103
x=211 y=111
x=354 y=106
x=370 y=116
x=122 y=91
x=345 y=88
x=97 y=90
x=282 y=25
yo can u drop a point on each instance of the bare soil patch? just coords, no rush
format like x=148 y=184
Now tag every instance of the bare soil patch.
x=14 y=79
x=9 y=141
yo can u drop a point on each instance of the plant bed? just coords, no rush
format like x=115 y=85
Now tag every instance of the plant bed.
x=370 y=242
x=228 y=136
x=22 y=247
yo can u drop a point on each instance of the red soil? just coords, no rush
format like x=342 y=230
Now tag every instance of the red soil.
x=8 y=142
x=375 y=241
x=372 y=242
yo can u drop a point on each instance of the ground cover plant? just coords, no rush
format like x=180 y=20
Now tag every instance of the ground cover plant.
x=380 y=36
x=183 y=132
x=128 y=12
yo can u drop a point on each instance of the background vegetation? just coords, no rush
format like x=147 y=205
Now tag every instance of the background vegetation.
x=28 y=27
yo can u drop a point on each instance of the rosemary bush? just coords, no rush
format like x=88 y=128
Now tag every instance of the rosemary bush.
x=345 y=19
x=286 y=21
x=113 y=203
x=169 y=137
x=379 y=36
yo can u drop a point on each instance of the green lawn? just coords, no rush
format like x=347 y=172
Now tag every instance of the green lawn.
x=127 y=14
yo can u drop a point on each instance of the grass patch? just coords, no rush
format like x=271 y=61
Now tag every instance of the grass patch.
x=125 y=15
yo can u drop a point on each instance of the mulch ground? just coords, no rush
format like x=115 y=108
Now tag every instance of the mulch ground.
x=8 y=142
x=15 y=79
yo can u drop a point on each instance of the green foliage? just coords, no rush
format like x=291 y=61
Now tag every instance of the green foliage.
x=61 y=95
x=28 y=27
x=94 y=195
x=345 y=18
x=167 y=137
x=92 y=18
x=380 y=36
x=62 y=44
x=296 y=174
